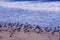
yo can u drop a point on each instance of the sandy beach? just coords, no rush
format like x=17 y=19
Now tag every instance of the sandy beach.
x=32 y=35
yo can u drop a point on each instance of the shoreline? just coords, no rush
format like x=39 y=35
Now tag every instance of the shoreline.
x=32 y=35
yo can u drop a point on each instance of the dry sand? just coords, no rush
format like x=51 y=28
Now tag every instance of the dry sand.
x=32 y=35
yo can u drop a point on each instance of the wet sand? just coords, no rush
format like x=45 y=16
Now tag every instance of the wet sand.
x=32 y=35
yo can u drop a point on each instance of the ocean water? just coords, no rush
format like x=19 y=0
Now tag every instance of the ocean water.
x=43 y=14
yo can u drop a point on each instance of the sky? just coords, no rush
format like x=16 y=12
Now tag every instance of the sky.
x=30 y=0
